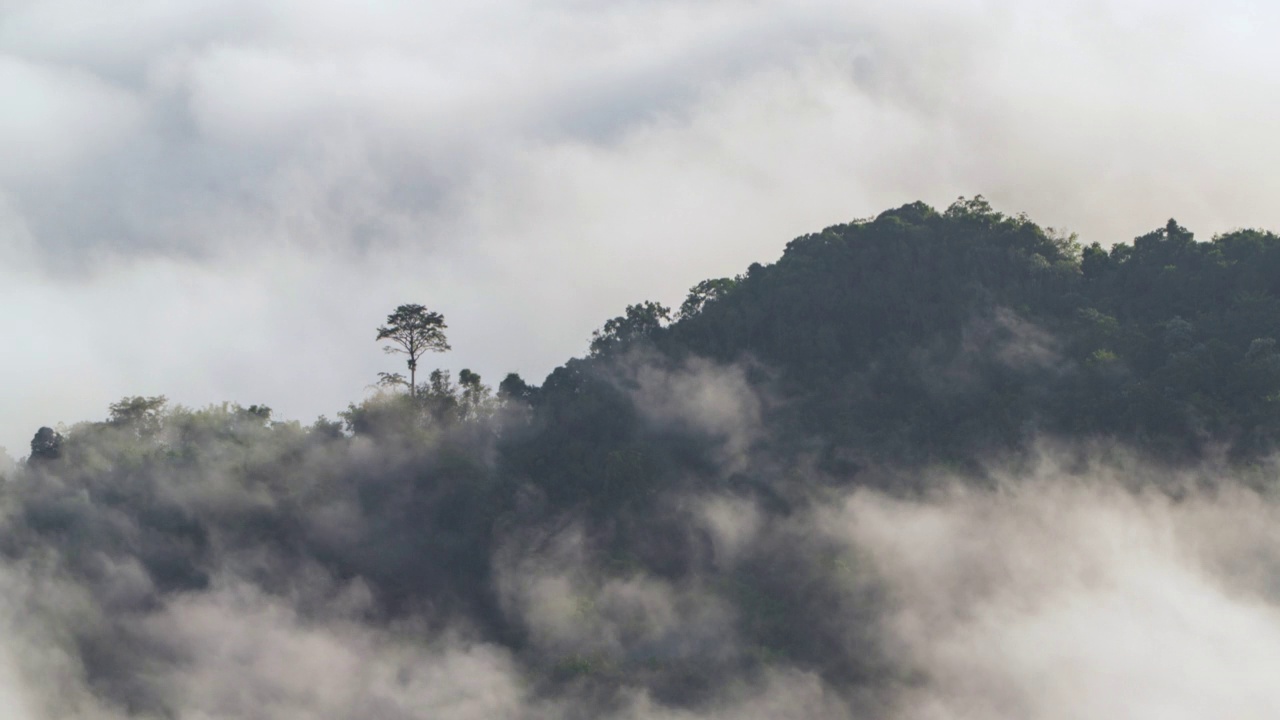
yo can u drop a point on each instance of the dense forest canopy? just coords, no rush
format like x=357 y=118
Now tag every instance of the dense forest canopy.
x=640 y=523
x=920 y=337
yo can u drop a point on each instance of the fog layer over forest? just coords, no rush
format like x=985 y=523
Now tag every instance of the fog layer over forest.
x=929 y=465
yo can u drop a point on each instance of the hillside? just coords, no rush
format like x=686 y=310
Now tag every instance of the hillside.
x=922 y=338
x=654 y=520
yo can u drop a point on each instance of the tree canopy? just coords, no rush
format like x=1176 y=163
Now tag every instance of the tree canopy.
x=413 y=330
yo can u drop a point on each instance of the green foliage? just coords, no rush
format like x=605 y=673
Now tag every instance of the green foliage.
x=327 y=429
x=939 y=338
x=437 y=403
x=381 y=415
x=139 y=414
x=475 y=400
x=640 y=322
x=514 y=388
x=705 y=292
x=391 y=381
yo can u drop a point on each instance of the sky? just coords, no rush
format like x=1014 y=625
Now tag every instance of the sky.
x=221 y=201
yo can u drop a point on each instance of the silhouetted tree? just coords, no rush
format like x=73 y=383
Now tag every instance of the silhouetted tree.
x=413 y=330
x=46 y=445
x=640 y=321
x=475 y=394
x=441 y=396
x=703 y=293
x=514 y=387
x=391 y=380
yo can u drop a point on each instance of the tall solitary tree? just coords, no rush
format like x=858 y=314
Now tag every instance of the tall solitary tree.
x=413 y=330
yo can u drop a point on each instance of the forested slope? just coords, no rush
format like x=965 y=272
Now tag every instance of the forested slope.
x=921 y=337
x=643 y=520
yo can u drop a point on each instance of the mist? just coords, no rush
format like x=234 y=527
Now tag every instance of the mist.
x=283 y=175
x=205 y=563
x=929 y=465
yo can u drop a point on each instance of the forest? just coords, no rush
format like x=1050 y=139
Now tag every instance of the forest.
x=654 y=529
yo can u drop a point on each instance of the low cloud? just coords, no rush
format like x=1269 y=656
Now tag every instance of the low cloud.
x=1069 y=597
x=703 y=398
x=260 y=578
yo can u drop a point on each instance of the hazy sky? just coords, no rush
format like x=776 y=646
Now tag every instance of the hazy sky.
x=222 y=200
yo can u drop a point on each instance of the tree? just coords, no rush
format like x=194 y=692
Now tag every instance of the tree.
x=441 y=396
x=705 y=292
x=413 y=330
x=475 y=394
x=391 y=380
x=640 y=322
x=46 y=445
x=513 y=387
x=143 y=415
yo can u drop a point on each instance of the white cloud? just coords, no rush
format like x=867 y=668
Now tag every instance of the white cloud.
x=43 y=130
x=1063 y=598
x=531 y=169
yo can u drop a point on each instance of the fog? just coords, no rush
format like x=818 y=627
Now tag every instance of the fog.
x=237 y=569
x=222 y=201
x=204 y=199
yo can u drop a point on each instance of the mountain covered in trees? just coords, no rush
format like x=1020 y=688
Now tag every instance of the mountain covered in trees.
x=641 y=523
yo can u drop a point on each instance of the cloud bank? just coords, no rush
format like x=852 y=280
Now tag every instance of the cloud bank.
x=236 y=584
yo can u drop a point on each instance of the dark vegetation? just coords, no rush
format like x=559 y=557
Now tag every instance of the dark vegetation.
x=869 y=351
